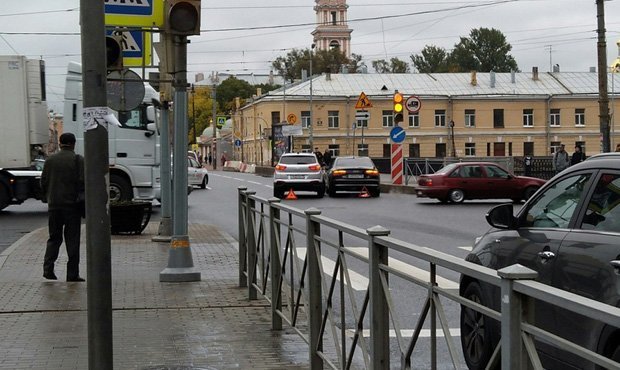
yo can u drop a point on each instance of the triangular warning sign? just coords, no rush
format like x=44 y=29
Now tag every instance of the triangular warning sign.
x=363 y=102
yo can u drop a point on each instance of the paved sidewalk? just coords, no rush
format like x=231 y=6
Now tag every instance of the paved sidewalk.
x=201 y=325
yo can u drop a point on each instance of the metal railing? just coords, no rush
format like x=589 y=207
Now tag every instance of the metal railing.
x=318 y=300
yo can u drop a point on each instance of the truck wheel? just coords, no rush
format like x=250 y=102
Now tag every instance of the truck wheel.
x=120 y=189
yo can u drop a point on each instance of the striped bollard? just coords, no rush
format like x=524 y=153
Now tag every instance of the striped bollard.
x=397 y=164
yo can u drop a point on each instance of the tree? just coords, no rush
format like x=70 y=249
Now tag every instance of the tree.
x=355 y=63
x=432 y=59
x=394 y=66
x=200 y=108
x=323 y=61
x=231 y=88
x=484 y=50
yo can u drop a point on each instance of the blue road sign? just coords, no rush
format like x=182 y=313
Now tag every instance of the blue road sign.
x=132 y=43
x=397 y=134
x=129 y=7
x=237 y=143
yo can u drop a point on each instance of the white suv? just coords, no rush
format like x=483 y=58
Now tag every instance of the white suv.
x=298 y=171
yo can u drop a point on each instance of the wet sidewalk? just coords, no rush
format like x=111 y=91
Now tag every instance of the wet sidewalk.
x=200 y=325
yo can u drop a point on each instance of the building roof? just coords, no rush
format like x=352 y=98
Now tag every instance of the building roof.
x=446 y=85
x=251 y=78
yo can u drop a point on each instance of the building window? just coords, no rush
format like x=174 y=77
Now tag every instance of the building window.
x=580 y=117
x=440 y=118
x=440 y=150
x=388 y=118
x=470 y=118
x=362 y=150
x=305 y=118
x=387 y=150
x=528 y=118
x=528 y=148
x=498 y=118
x=335 y=149
x=334 y=20
x=332 y=119
x=362 y=123
x=555 y=146
x=470 y=149
x=275 y=117
x=554 y=117
x=414 y=120
x=414 y=150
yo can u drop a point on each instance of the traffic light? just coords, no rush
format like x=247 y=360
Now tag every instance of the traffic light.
x=182 y=17
x=114 y=52
x=398 y=107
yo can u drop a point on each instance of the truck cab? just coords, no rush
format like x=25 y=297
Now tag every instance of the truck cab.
x=134 y=154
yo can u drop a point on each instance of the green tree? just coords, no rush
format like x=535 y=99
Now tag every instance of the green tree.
x=432 y=59
x=355 y=63
x=484 y=50
x=200 y=107
x=231 y=88
x=395 y=65
x=290 y=66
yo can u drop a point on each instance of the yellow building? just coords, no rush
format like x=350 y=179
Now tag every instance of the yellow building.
x=461 y=114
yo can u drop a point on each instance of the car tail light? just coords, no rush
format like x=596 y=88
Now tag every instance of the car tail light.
x=315 y=167
x=372 y=172
x=339 y=172
x=280 y=167
x=427 y=182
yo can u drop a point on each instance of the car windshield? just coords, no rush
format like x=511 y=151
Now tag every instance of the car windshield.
x=298 y=159
x=354 y=162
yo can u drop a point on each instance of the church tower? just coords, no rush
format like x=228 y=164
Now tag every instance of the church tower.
x=332 y=30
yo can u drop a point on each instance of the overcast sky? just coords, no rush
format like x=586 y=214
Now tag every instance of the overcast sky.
x=541 y=32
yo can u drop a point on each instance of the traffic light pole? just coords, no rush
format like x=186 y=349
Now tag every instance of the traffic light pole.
x=164 y=233
x=98 y=242
x=180 y=263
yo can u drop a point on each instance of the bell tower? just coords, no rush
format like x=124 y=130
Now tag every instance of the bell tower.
x=332 y=30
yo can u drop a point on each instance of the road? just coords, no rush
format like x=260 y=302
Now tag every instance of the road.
x=449 y=228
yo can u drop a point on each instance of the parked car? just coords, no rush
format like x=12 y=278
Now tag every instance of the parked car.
x=476 y=180
x=352 y=174
x=196 y=174
x=298 y=172
x=568 y=232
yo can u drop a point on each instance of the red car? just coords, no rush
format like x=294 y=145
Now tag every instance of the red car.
x=476 y=180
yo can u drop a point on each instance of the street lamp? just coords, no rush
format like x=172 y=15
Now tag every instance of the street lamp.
x=311 y=127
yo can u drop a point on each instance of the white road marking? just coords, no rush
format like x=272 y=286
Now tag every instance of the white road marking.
x=466 y=248
x=412 y=270
x=358 y=281
x=254 y=182
x=408 y=333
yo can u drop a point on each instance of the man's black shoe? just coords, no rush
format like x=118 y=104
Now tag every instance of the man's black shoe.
x=76 y=279
x=50 y=276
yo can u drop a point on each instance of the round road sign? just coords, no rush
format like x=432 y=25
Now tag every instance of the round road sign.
x=291 y=118
x=397 y=134
x=413 y=104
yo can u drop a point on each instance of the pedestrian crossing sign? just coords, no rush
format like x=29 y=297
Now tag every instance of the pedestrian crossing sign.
x=136 y=47
x=363 y=102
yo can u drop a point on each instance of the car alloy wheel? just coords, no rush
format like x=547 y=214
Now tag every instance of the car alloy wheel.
x=475 y=331
x=457 y=195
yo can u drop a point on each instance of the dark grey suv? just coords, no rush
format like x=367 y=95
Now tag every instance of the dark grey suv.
x=569 y=232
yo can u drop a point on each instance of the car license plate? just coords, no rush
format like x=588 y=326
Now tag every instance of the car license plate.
x=296 y=177
x=356 y=176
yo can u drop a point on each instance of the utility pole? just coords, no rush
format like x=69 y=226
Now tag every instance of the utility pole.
x=214 y=124
x=603 y=102
x=98 y=242
x=311 y=128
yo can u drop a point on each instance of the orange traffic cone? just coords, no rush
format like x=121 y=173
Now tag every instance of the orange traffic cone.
x=291 y=195
x=364 y=193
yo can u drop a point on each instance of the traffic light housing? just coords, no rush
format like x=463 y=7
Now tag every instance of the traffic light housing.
x=182 y=17
x=398 y=107
x=114 y=52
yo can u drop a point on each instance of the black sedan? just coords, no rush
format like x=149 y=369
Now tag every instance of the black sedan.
x=353 y=174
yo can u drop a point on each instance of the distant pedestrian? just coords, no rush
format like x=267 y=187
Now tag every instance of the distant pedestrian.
x=561 y=161
x=618 y=148
x=319 y=156
x=223 y=159
x=62 y=180
x=209 y=159
x=578 y=155
x=327 y=157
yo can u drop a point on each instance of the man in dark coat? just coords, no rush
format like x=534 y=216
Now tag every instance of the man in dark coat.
x=327 y=157
x=578 y=155
x=61 y=181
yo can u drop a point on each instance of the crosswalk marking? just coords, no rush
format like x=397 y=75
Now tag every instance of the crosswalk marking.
x=408 y=333
x=466 y=248
x=358 y=281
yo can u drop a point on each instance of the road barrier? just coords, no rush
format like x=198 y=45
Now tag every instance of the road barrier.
x=285 y=254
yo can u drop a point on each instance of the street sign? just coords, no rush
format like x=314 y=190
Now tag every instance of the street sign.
x=237 y=143
x=362 y=115
x=363 y=102
x=136 y=13
x=413 y=104
x=291 y=118
x=136 y=47
x=397 y=134
x=221 y=121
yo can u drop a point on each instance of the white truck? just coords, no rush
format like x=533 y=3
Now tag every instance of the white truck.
x=133 y=148
x=24 y=128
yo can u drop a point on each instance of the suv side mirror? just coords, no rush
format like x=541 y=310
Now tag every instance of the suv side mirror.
x=501 y=216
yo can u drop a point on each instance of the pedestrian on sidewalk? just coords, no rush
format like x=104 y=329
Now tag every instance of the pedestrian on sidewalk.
x=209 y=159
x=327 y=157
x=319 y=156
x=578 y=155
x=224 y=159
x=561 y=160
x=62 y=180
